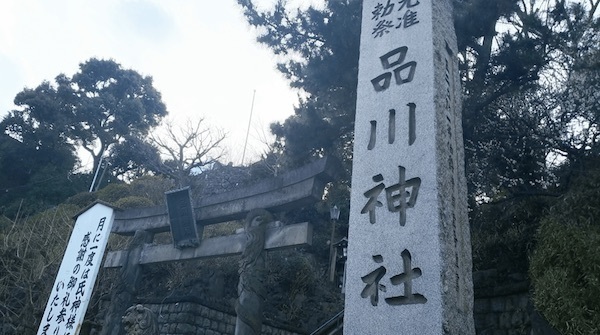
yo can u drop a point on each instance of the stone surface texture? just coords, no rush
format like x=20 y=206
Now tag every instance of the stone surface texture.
x=185 y=318
x=139 y=320
x=280 y=237
x=252 y=271
x=503 y=305
x=409 y=257
x=126 y=287
x=300 y=187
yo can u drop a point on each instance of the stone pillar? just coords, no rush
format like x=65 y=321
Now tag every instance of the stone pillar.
x=251 y=290
x=409 y=253
x=125 y=291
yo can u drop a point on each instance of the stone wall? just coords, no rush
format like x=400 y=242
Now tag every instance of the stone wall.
x=185 y=318
x=503 y=305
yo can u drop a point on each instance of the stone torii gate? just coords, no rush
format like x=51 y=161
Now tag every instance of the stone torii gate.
x=291 y=190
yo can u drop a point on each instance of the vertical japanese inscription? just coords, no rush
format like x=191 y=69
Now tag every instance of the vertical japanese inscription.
x=68 y=296
x=402 y=195
x=394 y=15
x=403 y=73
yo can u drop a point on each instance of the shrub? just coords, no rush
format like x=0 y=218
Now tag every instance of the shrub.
x=133 y=202
x=31 y=250
x=152 y=187
x=565 y=266
x=82 y=199
x=502 y=233
x=114 y=192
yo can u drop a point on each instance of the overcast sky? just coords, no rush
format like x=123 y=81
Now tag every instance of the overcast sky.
x=202 y=55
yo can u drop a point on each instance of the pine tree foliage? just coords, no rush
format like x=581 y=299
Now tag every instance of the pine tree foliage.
x=103 y=109
x=94 y=109
x=318 y=52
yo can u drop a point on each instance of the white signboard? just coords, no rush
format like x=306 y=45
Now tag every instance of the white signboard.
x=76 y=277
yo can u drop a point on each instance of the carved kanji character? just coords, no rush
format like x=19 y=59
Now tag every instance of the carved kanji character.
x=408 y=4
x=381 y=10
x=397 y=196
x=394 y=59
x=382 y=27
x=371 y=280
x=373 y=194
x=406 y=279
x=409 y=18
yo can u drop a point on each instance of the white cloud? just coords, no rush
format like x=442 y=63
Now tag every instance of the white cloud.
x=201 y=54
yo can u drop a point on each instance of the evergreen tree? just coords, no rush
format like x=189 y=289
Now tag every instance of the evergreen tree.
x=101 y=106
x=318 y=49
x=96 y=108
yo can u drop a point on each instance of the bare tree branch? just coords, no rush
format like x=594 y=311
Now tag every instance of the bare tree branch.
x=186 y=147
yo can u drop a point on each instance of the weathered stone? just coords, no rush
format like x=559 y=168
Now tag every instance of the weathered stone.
x=290 y=190
x=288 y=236
x=491 y=320
x=498 y=304
x=216 y=284
x=504 y=320
x=523 y=301
x=517 y=277
x=183 y=317
x=186 y=329
x=517 y=318
x=127 y=286
x=508 y=304
x=251 y=289
x=409 y=259
x=480 y=321
x=222 y=328
x=481 y=306
x=139 y=320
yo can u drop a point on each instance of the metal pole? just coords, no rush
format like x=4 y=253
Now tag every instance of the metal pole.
x=331 y=254
x=105 y=167
x=96 y=174
x=248 y=130
x=334 y=215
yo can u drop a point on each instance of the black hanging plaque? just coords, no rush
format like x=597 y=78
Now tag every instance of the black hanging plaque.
x=182 y=219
